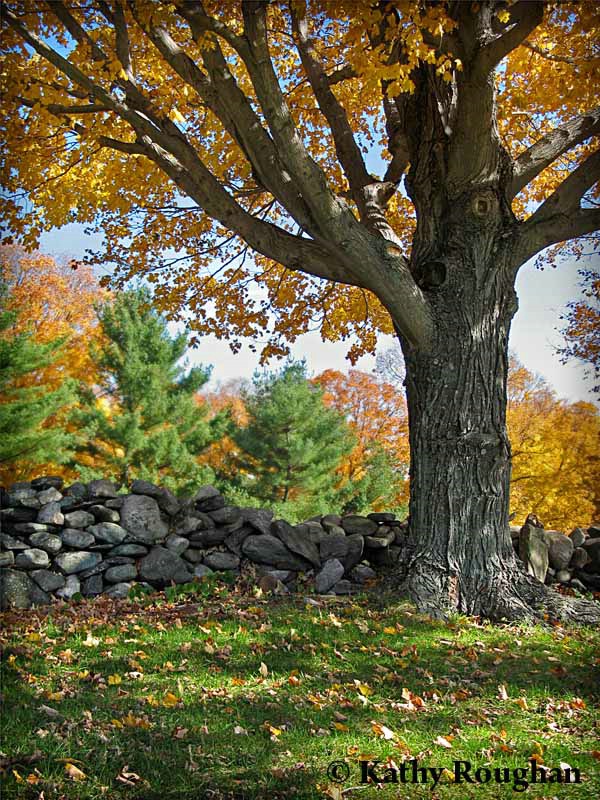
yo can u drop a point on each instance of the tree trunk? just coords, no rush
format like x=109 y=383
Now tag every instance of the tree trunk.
x=462 y=557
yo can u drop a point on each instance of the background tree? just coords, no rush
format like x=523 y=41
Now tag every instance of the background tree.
x=555 y=462
x=32 y=430
x=54 y=301
x=292 y=444
x=582 y=330
x=375 y=473
x=259 y=114
x=143 y=420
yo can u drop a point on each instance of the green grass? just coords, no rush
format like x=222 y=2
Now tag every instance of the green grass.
x=195 y=714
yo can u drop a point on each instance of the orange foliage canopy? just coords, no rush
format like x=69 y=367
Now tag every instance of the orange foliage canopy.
x=376 y=412
x=556 y=467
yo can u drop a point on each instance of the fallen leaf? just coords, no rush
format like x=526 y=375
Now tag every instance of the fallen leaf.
x=74 y=772
x=170 y=700
x=263 y=669
x=443 y=742
x=114 y=680
x=502 y=693
x=382 y=731
x=239 y=731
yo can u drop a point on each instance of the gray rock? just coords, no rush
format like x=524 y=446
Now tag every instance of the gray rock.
x=207 y=498
x=187 y=525
x=268 y=549
x=580 y=558
x=193 y=555
x=227 y=515
x=51 y=514
x=331 y=520
x=16 y=589
x=593 y=581
x=236 y=539
x=336 y=530
x=343 y=587
x=362 y=573
x=387 y=534
x=258 y=518
x=77 y=490
x=168 y=503
x=577 y=536
x=31 y=527
x=592 y=547
x=14 y=487
x=46 y=541
x=533 y=551
x=77 y=561
x=560 y=549
x=208 y=538
x=333 y=546
x=108 y=532
x=381 y=516
x=15 y=515
x=79 y=519
x=140 y=515
x=178 y=544
x=283 y=575
x=18 y=495
x=7 y=558
x=73 y=537
x=376 y=543
x=115 y=503
x=47 y=482
x=129 y=550
x=382 y=557
x=161 y=566
x=564 y=575
x=201 y=571
x=145 y=487
x=92 y=586
x=120 y=591
x=296 y=542
x=50 y=495
x=104 y=514
x=354 y=523
x=101 y=488
x=330 y=574
x=222 y=561
x=313 y=531
x=48 y=581
x=594 y=531
x=10 y=543
x=72 y=587
x=356 y=545
x=97 y=569
x=121 y=573
x=32 y=559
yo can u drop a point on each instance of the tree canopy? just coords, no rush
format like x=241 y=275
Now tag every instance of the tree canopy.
x=286 y=130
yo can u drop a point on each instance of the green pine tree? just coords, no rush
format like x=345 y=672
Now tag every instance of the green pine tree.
x=30 y=430
x=293 y=443
x=143 y=420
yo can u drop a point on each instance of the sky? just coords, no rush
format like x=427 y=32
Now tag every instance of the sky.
x=535 y=333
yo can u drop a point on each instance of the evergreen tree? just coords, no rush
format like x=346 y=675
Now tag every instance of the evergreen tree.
x=292 y=443
x=30 y=430
x=144 y=420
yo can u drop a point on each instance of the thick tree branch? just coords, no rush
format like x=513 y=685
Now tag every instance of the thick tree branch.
x=81 y=36
x=122 y=40
x=221 y=93
x=347 y=150
x=551 y=146
x=525 y=16
x=561 y=217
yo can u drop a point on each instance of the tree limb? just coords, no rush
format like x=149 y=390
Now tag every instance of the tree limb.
x=525 y=16
x=551 y=146
x=567 y=196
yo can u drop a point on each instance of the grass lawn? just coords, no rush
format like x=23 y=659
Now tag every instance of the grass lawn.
x=233 y=696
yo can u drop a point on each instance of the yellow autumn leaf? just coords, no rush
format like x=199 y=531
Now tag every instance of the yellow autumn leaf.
x=382 y=731
x=170 y=700
x=74 y=772
x=114 y=680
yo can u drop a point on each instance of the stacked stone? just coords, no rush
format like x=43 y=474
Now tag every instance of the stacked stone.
x=88 y=539
x=556 y=558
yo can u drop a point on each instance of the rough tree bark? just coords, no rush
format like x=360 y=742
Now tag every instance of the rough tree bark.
x=451 y=302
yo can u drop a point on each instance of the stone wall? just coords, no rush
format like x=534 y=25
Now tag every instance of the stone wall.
x=88 y=539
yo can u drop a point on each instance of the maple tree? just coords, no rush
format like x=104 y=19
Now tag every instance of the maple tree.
x=376 y=412
x=53 y=301
x=554 y=453
x=243 y=127
x=582 y=331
